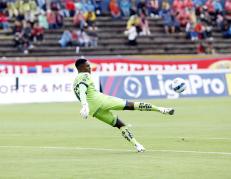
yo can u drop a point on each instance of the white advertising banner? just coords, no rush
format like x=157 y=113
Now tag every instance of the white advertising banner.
x=38 y=88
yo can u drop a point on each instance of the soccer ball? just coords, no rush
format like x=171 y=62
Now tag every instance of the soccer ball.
x=178 y=85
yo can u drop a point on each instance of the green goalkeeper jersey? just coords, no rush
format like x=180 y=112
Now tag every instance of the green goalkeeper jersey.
x=95 y=99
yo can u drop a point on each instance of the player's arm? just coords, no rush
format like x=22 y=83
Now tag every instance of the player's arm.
x=83 y=99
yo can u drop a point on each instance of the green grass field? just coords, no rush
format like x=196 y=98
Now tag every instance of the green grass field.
x=51 y=141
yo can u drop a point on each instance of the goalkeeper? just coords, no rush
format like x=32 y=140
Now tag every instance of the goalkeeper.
x=100 y=105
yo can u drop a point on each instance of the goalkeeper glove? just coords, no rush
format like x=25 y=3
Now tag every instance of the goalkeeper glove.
x=84 y=112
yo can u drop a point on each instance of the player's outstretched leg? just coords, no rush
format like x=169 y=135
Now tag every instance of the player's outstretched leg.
x=129 y=136
x=141 y=106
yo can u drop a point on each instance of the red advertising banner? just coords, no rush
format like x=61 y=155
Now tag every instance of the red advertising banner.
x=113 y=65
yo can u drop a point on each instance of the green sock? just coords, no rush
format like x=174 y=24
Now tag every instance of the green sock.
x=128 y=135
x=141 y=106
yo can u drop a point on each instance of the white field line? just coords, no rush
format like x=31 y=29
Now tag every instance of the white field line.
x=177 y=137
x=113 y=150
x=198 y=138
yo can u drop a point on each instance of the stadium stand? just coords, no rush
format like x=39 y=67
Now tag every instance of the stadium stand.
x=111 y=40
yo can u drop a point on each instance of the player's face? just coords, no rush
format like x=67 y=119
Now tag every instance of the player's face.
x=87 y=67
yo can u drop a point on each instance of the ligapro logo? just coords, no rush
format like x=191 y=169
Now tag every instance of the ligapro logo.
x=133 y=87
x=207 y=85
x=158 y=86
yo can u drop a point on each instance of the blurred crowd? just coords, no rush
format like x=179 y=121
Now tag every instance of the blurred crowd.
x=197 y=18
x=30 y=19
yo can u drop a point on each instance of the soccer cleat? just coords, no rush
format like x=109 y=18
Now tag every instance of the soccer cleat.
x=169 y=111
x=139 y=147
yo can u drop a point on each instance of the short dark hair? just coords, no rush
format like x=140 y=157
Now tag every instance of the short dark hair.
x=79 y=62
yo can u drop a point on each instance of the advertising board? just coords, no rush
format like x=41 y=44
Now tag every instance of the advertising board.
x=150 y=86
x=38 y=88
x=113 y=65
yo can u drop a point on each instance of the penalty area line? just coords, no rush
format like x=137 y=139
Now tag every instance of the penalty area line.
x=113 y=150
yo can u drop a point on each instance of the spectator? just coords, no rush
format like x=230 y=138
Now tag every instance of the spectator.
x=18 y=41
x=33 y=6
x=198 y=4
x=165 y=6
x=209 y=5
x=27 y=31
x=114 y=9
x=132 y=35
x=170 y=22
x=205 y=48
x=98 y=6
x=94 y=40
x=220 y=21
x=205 y=16
x=74 y=38
x=228 y=10
x=20 y=17
x=125 y=6
x=94 y=37
x=30 y=11
x=210 y=49
x=59 y=19
x=4 y=24
x=144 y=25
x=228 y=6
x=190 y=31
x=153 y=8
x=183 y=17
x=17 y=27
x=192 y=15
x=217 y=6
x=84 y=38
x=142 y=8
x=201 y=48
x=22 y=36
x=12 y=10
x=208 y=31
x=42 y=4
x=37 y=33
x=54 y=6
x=79 y=19
x=188 y=4
x=3 y=5
x=70 y=6
x=178 y=5
x=88 y=6
x=200 y=30
x=51 y=19
x=79 y=6
x=90 y=19
x=134 y=20
x=42 y=20
x=225 y=25
x=65 y=38
x=62 y=8
x=227 y=33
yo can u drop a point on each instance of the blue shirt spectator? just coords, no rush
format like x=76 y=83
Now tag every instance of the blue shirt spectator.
x=227 y=34
x=166 y=15
x=88 y=6
x=198 y=3
x=65 y=38
x=217 y=6
x=125 y=6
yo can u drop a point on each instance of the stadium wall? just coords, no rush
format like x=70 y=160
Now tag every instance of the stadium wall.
x=51 y=81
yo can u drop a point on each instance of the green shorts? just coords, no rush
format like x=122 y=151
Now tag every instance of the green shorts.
x=104 y=112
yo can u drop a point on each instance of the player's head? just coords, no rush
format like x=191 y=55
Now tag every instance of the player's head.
x=82 y=65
